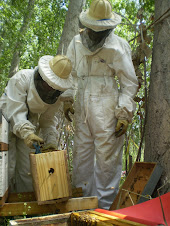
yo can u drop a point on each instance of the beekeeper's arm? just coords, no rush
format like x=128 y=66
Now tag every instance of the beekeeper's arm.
x=128 y=89
x=17 y=110
x=70 y=93
x=48 y=122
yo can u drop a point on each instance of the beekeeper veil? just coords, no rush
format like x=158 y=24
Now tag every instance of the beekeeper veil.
x=52 y=77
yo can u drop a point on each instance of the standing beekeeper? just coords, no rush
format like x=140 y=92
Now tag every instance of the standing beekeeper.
x=31 y=99
x=102 y=110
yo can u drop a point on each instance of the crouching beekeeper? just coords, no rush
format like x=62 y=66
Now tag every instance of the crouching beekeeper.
x=30 y=102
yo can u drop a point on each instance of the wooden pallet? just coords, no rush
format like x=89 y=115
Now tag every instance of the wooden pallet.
x=25 y=204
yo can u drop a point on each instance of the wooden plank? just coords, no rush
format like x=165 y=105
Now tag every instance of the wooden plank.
x=56 y=219
x=84 y=203
x=53 y=201
x=32 y=208
x=4 y=147
x=21 y=197
x=4 y=198
x=30 y=196
x=77 y=192
x=58 y=224
x=50 y=175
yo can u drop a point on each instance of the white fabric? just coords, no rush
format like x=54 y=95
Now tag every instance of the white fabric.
x=27 y=114
x=50 y=77
x=97 y=161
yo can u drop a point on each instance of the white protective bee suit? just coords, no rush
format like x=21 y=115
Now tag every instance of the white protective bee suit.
x=97 y=156
x=29 y=114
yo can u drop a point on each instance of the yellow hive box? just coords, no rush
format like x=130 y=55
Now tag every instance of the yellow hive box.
x=50 y=175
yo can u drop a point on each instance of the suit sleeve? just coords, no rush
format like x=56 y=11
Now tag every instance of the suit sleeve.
x=128 y=84
x=17 y=109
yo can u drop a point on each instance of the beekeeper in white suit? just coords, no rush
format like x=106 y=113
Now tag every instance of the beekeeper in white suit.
x=102 y=110
x=32 y=98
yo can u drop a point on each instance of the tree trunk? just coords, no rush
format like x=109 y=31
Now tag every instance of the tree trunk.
x=71 y=26
x=157 y=137
x=19 y=44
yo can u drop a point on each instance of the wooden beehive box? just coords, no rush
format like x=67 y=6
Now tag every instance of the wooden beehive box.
x=4 y=129
x=86 y=218
x=50 y=176
x=3 y=158
x=141 y=181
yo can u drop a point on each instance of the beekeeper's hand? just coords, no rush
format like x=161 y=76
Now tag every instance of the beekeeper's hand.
x=49 y=146
x=30 y=139
x=68 y=107
x=121 y=127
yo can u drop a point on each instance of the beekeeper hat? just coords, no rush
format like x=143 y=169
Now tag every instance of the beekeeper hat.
x=99 y=16
x=55 y=71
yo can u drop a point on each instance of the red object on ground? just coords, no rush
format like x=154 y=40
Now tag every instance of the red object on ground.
x=149 y=212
